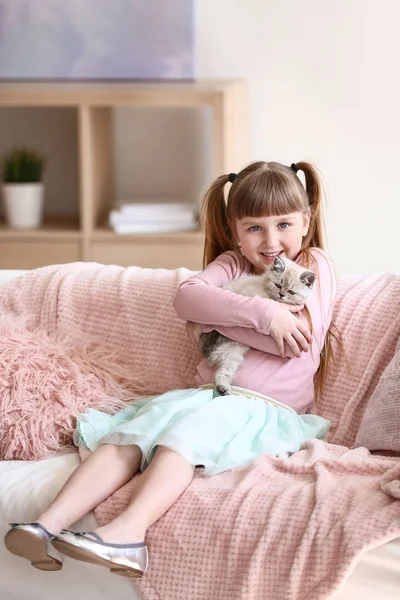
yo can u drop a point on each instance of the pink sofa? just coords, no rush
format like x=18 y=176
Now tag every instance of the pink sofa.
x=122 y=322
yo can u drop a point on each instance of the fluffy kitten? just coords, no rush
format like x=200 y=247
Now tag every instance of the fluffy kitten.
x=284 y=281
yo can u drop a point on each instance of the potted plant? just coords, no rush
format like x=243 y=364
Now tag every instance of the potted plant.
x=23 y=189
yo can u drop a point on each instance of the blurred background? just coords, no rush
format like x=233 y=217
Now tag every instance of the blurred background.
x=321 y=83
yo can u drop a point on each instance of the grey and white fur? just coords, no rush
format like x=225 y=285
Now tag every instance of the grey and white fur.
x=285 y=281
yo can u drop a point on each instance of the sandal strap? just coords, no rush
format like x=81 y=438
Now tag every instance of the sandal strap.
x=96 y=538
x=88 y=535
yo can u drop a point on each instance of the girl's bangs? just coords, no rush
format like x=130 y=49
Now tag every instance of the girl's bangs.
x=271 y=201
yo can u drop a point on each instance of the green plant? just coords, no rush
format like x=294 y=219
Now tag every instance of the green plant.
x=22 y=166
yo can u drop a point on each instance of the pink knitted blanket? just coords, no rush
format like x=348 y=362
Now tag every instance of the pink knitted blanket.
x=287 y=528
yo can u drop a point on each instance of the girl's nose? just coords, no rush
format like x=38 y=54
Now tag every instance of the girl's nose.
x=270 y=240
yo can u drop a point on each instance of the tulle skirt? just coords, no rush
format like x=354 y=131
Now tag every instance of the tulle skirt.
x=216 y=432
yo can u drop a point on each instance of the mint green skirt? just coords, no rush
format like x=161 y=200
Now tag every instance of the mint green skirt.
x=217 y=432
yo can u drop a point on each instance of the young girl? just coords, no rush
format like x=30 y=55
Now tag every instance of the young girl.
x=268 y=212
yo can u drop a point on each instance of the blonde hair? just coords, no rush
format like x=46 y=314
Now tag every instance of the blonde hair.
x=266 y=189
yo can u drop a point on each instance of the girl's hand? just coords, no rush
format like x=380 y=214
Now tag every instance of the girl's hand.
x=193 y=331
x=286 y=327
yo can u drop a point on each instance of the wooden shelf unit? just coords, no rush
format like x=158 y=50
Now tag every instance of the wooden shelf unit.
x=84 y=238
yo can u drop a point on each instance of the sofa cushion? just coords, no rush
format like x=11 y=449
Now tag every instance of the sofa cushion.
x=367 y=315
x=380 y=427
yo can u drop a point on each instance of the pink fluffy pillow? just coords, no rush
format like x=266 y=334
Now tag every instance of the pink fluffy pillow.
x=45 y=382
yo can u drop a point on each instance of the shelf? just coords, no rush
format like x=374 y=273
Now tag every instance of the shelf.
x=104 y=234
x=182 y=93
x=45 y=114
x=51 y=230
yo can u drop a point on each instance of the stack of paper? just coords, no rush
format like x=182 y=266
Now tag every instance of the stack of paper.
x=154 y=217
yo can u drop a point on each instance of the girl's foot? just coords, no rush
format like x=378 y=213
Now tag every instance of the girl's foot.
x=116 y=534
x=128 y=560
x=50 y=523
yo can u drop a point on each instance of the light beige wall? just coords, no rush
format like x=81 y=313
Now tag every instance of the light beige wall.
x=324 y=86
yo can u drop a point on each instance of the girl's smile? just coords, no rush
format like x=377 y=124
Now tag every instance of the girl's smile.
x=269 y=257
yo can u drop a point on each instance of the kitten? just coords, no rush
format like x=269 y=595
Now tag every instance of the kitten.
x=284 y=281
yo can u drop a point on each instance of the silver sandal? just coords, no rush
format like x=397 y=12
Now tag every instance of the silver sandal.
x=33 y=542
x=128 y=560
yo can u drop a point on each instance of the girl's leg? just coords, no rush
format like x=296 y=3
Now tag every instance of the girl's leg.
x=160 y=485
x=96 y=478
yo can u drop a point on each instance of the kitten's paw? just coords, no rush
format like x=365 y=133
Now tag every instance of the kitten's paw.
x=223 y=390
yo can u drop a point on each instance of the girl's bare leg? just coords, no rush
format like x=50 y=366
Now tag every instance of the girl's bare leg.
x=160 y=485
x=96 y=478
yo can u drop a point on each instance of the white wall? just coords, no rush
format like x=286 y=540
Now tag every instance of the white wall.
x=324 y=86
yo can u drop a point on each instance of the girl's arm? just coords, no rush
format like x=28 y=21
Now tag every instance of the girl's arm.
x=193 y=331
x=265 y=343
x=319 y=304
x=249 y=337
x=202 y=299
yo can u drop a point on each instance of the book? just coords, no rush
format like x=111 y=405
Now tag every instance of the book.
x=126 y=228
x=151 y=208
x=115 y=218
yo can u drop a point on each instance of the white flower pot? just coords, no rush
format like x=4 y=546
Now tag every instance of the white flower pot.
x=23 y=204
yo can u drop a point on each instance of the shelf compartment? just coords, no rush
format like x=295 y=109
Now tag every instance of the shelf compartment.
x=27 y=255
x=53 y=132
x=147 y=255
x=166 y=250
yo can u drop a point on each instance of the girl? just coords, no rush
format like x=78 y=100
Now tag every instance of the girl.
x=268 y=212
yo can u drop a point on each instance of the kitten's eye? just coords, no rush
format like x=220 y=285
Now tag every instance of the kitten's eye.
x=278 y=286
x=291 y=292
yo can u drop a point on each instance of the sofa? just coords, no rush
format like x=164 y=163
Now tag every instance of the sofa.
x=28 y=486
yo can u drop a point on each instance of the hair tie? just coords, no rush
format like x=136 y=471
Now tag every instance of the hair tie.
x=231 y=177
x=294 y=167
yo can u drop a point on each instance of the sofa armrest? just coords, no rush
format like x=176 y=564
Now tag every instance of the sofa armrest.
x=7 y=275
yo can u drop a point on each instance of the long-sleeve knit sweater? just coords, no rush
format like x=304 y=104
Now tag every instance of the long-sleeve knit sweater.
x=288 y=379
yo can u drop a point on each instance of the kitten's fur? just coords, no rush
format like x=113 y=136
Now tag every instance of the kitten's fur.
x=284 y=281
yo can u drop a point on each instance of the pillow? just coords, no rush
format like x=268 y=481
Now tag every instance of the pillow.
x=366 y=313
x=46 y=380
x=380 y=426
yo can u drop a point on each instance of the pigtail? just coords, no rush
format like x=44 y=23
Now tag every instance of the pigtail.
x=316 y=238
x=316 y=232
x=218 y=236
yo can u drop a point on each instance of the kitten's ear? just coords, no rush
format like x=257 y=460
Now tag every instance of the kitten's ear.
x=307 y=278
x=278 y=265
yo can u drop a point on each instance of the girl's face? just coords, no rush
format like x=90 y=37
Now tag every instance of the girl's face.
x=263 y=238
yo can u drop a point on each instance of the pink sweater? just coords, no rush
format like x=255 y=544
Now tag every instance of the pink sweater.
x=248 y=319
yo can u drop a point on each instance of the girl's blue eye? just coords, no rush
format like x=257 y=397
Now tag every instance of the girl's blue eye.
x=254 y=228
x=284 y=225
